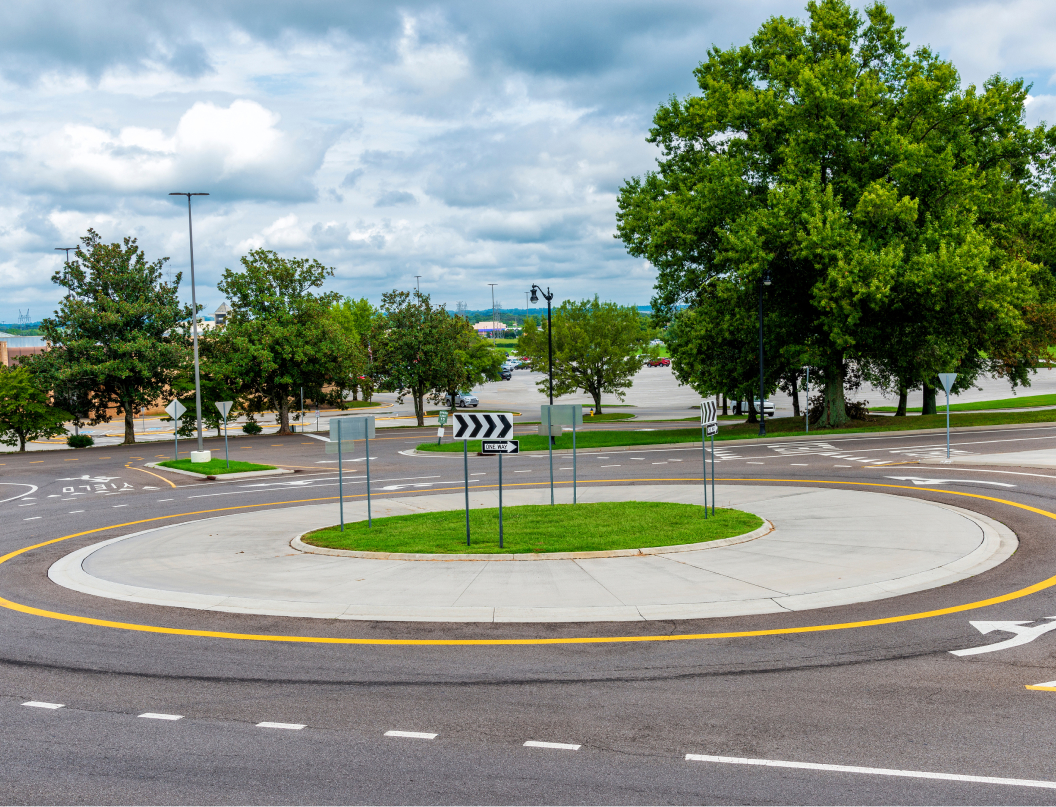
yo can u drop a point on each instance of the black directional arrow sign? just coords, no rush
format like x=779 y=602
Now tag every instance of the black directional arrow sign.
x=482 y=426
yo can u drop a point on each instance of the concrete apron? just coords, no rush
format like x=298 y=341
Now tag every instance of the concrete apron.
x=828 y=547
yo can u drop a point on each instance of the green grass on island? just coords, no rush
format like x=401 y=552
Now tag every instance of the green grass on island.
x=775 y=427
x=540 y=528
x=1019 y=402
x=215 y=467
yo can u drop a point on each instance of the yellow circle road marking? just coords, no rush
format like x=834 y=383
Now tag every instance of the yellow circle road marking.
x=257 y=637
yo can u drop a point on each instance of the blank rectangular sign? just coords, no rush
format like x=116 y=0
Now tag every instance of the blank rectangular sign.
x=352 y=428
x=561 y=415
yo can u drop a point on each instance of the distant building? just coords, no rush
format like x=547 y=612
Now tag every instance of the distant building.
x=490 y=328
x=220 y=315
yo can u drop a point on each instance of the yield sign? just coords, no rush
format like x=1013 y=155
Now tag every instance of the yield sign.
x=482 y=426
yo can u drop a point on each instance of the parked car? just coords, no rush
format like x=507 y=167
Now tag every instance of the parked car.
x=768 y=408
x=661 y=362
x=462 y=399
x=506 y=374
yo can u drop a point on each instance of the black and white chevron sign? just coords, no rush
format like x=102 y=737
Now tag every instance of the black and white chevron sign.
x=709 y=413
x=482 y=426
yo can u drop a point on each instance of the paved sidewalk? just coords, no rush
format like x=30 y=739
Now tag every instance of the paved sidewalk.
x=829 y=547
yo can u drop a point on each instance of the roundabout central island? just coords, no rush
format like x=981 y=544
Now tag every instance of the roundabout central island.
x=818 y=547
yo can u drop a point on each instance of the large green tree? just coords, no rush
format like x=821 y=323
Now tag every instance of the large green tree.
x=896 y=212
x=465 y=361
x=281 y=336
x=361 y=321
x=119 y=335
x=26 y=411
x=598 y=348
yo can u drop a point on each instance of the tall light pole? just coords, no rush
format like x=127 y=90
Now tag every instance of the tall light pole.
x=494 y=333
x=417 y=284
x=763 y=281
x=548 y=296
x=66 y=274
x=194 y=320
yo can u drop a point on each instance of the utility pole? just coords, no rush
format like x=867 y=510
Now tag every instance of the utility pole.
x=494 y=331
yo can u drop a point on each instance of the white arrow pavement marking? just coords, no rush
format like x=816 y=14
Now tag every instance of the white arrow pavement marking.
x=32 y=489
x=1023 y=635
x=917 y=480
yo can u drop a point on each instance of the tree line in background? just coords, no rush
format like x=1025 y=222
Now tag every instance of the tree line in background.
x=890 y=224
x=120 y=342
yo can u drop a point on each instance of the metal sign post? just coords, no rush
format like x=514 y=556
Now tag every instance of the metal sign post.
x=490 y=428
x=709 y=425
x=947 y=380
x=349 y=429
x=176 y=410
x=806 y=394
x=500 y=447
x=563 y=415
x=442 y=418
x=225 y=407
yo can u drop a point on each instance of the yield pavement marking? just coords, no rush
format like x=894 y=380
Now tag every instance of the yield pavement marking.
x=414 y=735
x=43 y=705
x=159 y=716
x=290 y=726
x=558 y=746
x=816 y=766
x=1034 y=588
x=1023 y=635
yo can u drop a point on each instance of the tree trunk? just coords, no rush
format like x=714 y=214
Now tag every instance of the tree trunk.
x=355 y=392
x=597 y=402
x=752 y=415
x=928 y=407
x=903 y=396
x=419 y=406
x=725 y=405
x=284 y=417
x=795 y=394
x=834 y=412
x=21 y=443
x=130 y=426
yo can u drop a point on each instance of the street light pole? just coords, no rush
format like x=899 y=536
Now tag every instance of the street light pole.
x=66 y=274
x=417 y=284
x=194 y=320
x=763 y=281
x=548 y=296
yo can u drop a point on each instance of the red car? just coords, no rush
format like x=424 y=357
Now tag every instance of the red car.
x=659 y=362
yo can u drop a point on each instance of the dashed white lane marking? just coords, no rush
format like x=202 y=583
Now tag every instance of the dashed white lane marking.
x=801 y=464
x=43 y=705
x=522 y=472
x=290 y=726
x=610 y=466
x=755 y=463
x=159 y=716
x=478 y=474
x=414 y=735
x=558 y=746
x=165 y=500
x=32 y=518
x=842 y=466
x=72 y=512
x=815 y=766
x=120 y=505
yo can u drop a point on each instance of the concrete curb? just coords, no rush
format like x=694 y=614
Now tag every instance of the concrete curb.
x=759 y=532
x=242 y=475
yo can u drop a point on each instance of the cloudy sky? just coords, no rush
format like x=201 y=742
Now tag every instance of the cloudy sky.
x=469 y=143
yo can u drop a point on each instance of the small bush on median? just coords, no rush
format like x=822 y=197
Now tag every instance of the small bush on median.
x=80 y=441
x=252 y=427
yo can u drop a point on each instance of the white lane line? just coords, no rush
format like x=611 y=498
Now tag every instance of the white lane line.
x=801 y=464
x=74 y=511
x=290 y=726
x=43 y=705
x=522 y=472
x=33 y=489
x=760 y=463
x=32 y=518
x=659 y=463
x=165 y=500
x=814 y=766
x=558 y=746
x=609 y=466
x=482 y=474
x=414 y=735
x=120 y=505
x=842 y=466
x=31 y=504
x=159 y=716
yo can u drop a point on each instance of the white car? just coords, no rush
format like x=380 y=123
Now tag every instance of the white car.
x=462 y=399
x=768 y=408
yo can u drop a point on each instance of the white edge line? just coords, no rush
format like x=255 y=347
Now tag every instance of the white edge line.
x=159 y=716
x=290 y=726
x=558 y=746
x=415 y=735
x=43 y=705
x=815 y=766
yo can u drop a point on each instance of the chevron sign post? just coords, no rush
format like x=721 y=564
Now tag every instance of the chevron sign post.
x=709 y=425
x=479 y=426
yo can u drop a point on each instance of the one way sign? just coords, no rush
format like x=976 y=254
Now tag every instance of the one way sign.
x=482 y=426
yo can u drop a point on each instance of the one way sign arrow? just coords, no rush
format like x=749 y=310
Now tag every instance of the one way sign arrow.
x=471 y=426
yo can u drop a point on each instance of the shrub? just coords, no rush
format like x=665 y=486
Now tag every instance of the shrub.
x=251 y=427
x=80 y=441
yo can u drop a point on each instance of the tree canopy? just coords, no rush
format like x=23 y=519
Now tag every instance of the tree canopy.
x=26 y=413
x=899 y=215
x=117 y=336
x=598 y=348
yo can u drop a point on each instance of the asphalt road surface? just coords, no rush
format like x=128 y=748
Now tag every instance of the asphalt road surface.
x=880 y=712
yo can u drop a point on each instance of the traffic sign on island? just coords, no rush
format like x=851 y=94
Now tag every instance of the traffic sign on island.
x=709 y=413
x=175 y=409
x=712 y=429
x=491 y=447
x=470 y=426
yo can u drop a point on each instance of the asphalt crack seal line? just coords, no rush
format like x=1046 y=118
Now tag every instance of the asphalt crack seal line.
x=210 y=634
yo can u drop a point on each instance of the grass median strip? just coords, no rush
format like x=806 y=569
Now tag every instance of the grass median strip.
x=775 y=427
x=215 y=467
x=534 y=528
x=1018 y=402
